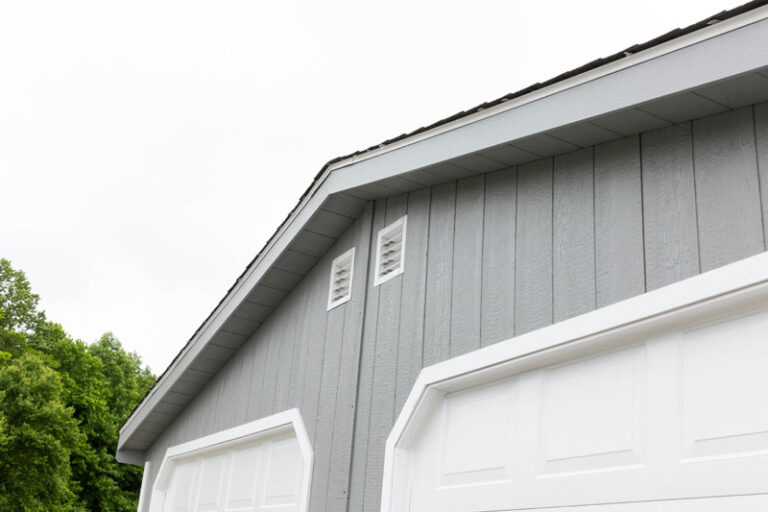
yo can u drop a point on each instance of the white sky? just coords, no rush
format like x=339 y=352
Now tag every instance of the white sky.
x=148 y=149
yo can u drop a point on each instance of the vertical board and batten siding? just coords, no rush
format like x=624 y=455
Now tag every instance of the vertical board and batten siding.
x=573 y=235
x=498 y=256
x=487 y=257
x=669 y=206
x=517 y=249
x=302 y=356
x=727 y=191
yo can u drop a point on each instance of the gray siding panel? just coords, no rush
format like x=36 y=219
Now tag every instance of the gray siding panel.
x=573 y=245
x=468 y=266
x=315 y=349
x=669 y=206
x=384 y=369
x=411 y=334
x=346 y=394
x=328 y=389
x=619 y=259
x=365 y=383
x=727 y=192
x=761 y=137
x=302 y=356
x=437 y=315
x=533 y=259
x=498 y=311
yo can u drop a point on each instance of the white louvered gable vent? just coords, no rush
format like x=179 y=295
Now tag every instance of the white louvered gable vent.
x=342 y=269
x=390 y=251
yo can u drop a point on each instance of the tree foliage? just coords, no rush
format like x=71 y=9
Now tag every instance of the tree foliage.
x=39 y=435
x=61 y=405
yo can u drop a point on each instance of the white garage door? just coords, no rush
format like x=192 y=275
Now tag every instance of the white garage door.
x=677 y=422
x=258 y=476
x=258 y=466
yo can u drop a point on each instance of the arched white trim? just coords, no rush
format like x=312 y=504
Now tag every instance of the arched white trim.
x=280 y=423
x=741 y=286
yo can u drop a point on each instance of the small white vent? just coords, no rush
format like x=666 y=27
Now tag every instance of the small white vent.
x=341 y=279
x=390 y=251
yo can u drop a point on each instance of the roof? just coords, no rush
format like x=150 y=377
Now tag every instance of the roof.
x=593 y=103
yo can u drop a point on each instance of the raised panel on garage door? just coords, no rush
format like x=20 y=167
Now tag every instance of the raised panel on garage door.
x=675 y=421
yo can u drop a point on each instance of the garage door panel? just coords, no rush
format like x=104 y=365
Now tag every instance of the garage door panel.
x=724 y=382
x=242 y=486
x=593 y=414
x=211 y=482
x=481 y=422
x=282 y=485
x=665 y=422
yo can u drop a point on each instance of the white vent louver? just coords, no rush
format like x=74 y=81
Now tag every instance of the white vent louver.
x=341 y=279
x=390 y=251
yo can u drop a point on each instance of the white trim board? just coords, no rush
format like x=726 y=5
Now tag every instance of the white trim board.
x=144 y=491
x=732 y=289
x=282 y=422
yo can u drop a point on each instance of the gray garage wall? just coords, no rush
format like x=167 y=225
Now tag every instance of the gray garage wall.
x=487 y=258
x=302 y=356
x=496 y=255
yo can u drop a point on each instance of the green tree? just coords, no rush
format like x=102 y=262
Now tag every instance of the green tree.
x=96 y=385
x=18 y=309
x=17 y=302
x=39 y=433
x=102 y=383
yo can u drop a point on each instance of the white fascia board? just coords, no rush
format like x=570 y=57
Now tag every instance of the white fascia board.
x=726 y=49
x=727 y=290
x=721 y=56
x=660 y=50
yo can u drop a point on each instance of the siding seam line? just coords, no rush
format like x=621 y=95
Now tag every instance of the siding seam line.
x=552 y=242
x=399 y=321
x=757 y=166
x=360 y=364
x=426 y=278
x=482 y=255
x=594 y=224
x=695 y=192
x=453 y=267
x=517 y=245
x=642 y=210
x=374 y=246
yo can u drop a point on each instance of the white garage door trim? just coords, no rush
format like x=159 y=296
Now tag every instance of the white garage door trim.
x=721 y=293
x=280 y=423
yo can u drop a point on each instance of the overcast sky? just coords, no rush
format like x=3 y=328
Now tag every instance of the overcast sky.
x=148 y=149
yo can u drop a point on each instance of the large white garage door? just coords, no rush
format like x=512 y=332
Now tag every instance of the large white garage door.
x=677 y=421
x=254 y=477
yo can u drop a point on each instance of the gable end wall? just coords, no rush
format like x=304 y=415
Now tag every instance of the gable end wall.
x=487 y=258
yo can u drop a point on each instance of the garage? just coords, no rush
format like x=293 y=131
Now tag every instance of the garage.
x=654 y=404
x=264 y=465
